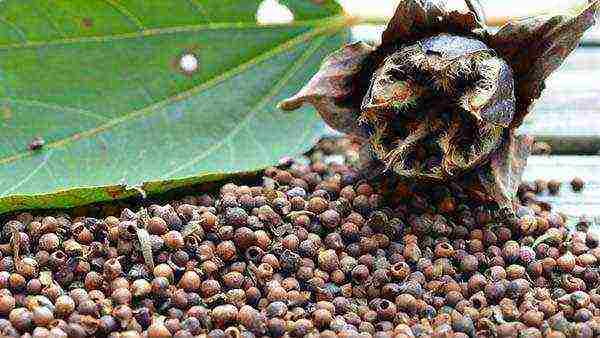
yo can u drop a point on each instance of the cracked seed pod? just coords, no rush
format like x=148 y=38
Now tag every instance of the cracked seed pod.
x=440 y=99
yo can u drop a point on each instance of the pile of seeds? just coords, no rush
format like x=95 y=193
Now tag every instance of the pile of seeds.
x=314 y=250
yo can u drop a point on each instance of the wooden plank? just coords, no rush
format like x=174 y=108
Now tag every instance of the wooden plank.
x=564 y=169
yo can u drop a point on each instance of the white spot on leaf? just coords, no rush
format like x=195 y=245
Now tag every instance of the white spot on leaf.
x=188 y=63
x=271 y=12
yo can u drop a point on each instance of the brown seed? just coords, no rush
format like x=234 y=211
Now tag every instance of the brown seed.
x=158 y=331
x=174 y=240
x=291 y=242
x=412 y=252
x=156 y=226
x=210 y=267
x=469 y=264
x=265 y=271
x=515 y=271
x=163 y=270
x=160 y=285
x=360 y=273
x=533 y=318
x=252 y=319
x=277 y=293
x=317 y=205
x=7 y=304
x=272 y=260
x=21 y=319
x=49 y=242
x=121 y=296
x=64 y=306
x=93 y=281
x=330 y=219
x=447 y=205
x=244 y=237
x=112 y=268
x=322 y=318
x=27 y=267
x=40 y=332
x=226 y=250
x=495 y=291
x=16 y=281
x=580 y=299
x=328 y=260
x=210 y=288
x=444 y=250
x=190 y=281
x=405 y=301
x=224 y=315
x=548 y=307
x=301 y=327
x=386 y=310
x=233 y=280
x=577 y=184
x=58 y=332
x=42 y=316
x=554 y=187
x=453 y=297
x=566 y=262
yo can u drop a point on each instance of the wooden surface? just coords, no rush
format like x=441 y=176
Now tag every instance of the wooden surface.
x=564 y=169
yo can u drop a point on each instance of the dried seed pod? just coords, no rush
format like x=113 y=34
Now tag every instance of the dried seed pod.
x=420 y=63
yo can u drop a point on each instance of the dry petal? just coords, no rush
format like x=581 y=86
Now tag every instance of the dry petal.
x=535 y=47
x=330 y=89
x=416 y=19
x=501 y=178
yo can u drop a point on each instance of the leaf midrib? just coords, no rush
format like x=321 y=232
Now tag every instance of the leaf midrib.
x=330 y=21
x=334 y=24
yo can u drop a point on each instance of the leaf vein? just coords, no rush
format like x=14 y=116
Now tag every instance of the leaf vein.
x=181 y=96
x=31 y=174
x=316 y=24
x=198 y=5
x=15 y=28
x=259 y=106
x=54 y=106
x=51 y=23
x=258 y=144
x=126 y=13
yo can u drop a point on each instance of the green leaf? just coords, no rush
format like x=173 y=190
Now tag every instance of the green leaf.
x=100 y=82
